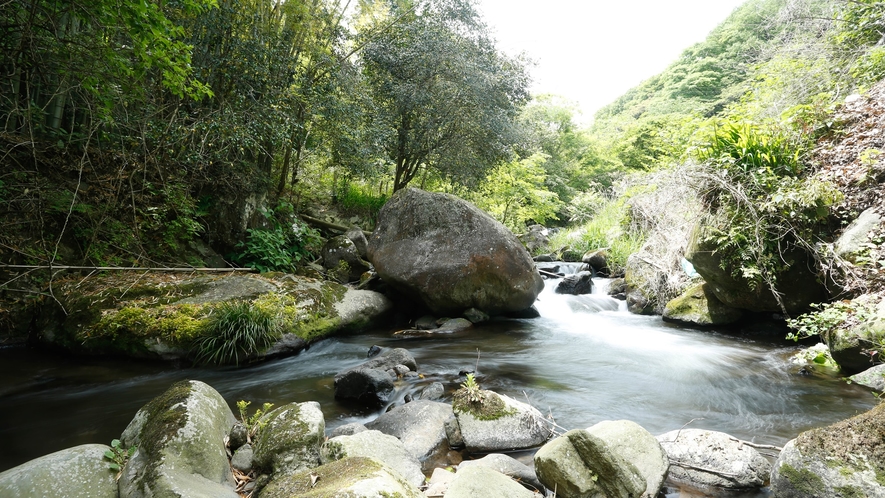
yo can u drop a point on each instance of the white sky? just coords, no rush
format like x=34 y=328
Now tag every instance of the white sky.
x=593 y=51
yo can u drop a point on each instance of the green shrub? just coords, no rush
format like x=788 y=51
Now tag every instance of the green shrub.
x=358 y=201
x=279 y=248
x=235 y=330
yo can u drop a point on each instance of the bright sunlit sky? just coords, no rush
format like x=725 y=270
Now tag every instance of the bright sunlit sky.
x=593 y=51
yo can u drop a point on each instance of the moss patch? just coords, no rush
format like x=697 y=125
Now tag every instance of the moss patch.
x=166 y=415
x=862 y=435
x=488 y=406
x=803 y=480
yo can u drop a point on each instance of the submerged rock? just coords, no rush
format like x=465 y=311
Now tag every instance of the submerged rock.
x=81 y=471
x=709 y=459
x=180 y=440
x=844 y=459
x=450 y=255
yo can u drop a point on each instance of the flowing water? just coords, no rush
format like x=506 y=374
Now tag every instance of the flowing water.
x=585 y=360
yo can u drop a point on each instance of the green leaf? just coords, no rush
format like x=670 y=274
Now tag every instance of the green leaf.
x=109 y=455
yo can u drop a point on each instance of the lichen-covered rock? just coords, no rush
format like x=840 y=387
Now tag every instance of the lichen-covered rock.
x=420 y=425
x=450 y=255
x=180 y=440
x=290 y=440
x=850 y=244
x=637 y=446
x=712 y=460
x=81 y=471
x=348 y=430
x=497 y=422
x=698 y=305
x=873 y=377
x=797 y=282
x=475 y=481
x=580 y=465
x=845 y=459
x=508 y=466
x=375 y=444
x=356 y=235
x=355 y=477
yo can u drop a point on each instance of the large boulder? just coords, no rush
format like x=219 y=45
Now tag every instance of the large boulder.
x=354 y=477
x=80 y=471
x=496 y=422
x=698 y=305
x=162 y=315
x=451 y=256
x=476 y=481
x=580 y=465
x=290 y=439
x=420 y=425
x=369 y=383
x=710 y=460
x=798 y=283
x=844 y=459
x=637 y=446
x=374 y=444
x=179 y=437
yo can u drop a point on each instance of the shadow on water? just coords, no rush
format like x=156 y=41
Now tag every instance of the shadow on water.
x=585 y=360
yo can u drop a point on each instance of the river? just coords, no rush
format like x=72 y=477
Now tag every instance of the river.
x=585 y=360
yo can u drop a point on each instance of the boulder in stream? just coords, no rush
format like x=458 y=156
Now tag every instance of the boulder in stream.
x=710 y=460
x=375 y=444
x=844 y=459
x=579 y=464
x=81 y=471
x=698 y=305
x=369 y=383
x=478 y=480
x=290 y=439
x=420 y=425
x=495 y=422
x=451 y=256
x=508 y=466
x=576 y=284
x=352 y=477
x=637 y=446
x=179 y=437
x=850 y=342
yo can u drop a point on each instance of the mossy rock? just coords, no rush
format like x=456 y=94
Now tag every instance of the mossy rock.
x=80 y=471
x=165 y=315
x=698 y=305
x=845 y=459
x=352 y=477
x=494 y=422
x=290 y=439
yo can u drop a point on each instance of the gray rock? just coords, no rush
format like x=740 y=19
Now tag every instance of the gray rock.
x=453 y=325
x=598 y=260
x=355 y=477
x=698 y=305
x=478 y=480
x=374 y=444
x=290 y=440
x=453 y=433
x=638 y=303
x=356 y=235
x=873 y=378
x=426 y=322
x=579 y=464
x=499 y=425
x=637 y=446
x=475 y=316
x=242 y=459
x=433 y=392
x=348 y=429
x=576 y=284
x=844 y=459
x=439 y=482
x=508 y=466
x=81 y=471
x=239 y=435
x=851 y=243
x=370 y=383
x=451 y=256
x=708 y=459
x=420 y=425
x=180 y=440
x=286 y=345
x=342 y=260
x=359 y=309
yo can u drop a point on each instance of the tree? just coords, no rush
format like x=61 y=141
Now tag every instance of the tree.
x=447 y=97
